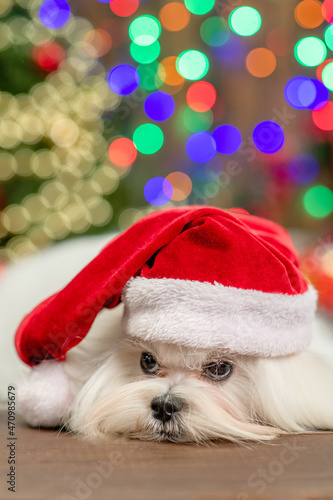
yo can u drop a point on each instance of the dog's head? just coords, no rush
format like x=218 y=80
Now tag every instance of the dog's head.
x=157 y=391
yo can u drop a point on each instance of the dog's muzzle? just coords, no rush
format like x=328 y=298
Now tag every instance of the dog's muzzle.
x=164 y=407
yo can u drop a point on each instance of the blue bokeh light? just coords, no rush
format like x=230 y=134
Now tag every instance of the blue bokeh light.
x=322 y=95
x=303 y=168
x=158 y=191
x=201 y=147
x=228 y=139
x=159 y=106
x=300 y=92
x=54 y=14
x=229 y=49
x=123 y=79
x=268 y=137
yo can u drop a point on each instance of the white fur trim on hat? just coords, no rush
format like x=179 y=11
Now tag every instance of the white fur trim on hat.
x=216 y=316
x=44 y=395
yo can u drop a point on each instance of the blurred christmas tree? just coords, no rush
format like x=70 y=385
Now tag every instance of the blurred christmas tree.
x=56 y=178
x=161 y=103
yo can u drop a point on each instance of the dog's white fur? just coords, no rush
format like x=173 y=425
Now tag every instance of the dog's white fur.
x=108 y=394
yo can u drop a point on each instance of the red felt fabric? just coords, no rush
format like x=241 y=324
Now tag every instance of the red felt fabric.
x=193 y=243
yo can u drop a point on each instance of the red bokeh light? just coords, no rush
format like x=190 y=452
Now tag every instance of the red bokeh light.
x=49 y=57
x=124 y=8
x=201 y=96
x=122 y=152
x=323 y=117
x=327 y=9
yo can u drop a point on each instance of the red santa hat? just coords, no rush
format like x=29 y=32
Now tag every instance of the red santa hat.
x=195 y=276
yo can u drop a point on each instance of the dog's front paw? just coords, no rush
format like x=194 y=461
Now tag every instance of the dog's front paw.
x=44 y=395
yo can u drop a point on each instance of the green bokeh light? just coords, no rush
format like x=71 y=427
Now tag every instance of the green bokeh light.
x=195 y=122
x=192 y=64
x=148 y=138
x=214 y=31
x=149 y=78
x=318 y=201
x=310 y=51
x=329 y=37
x=245 y=21
x=145 y=54
x=145 y=30
x=327 y=76
x=199 y=7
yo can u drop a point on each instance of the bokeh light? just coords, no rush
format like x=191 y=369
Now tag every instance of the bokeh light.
x=149 y=78
x=261 y=62
x=310 y=51
x=192 y=64
x=327 y=9
x=303 y=168
x=54 y=14
x=322 y=95
x=168 y=73
x=122 y=152
x=214 y=31
x=228 y=139
x=174 y=16
x=181 y=185
x=305 y=93
x=229 y=50
x=145 y=30
x=158 y=191
x=195 y=121
x=268 y=137
x=318 y=201
x=49 y=56
x=308 y=14
x=327 y=76
x=321 y=67
x=329 y=37
x=148 y=138
x=323 y=117
x=245 y=21
x=98 y=42
x=201 y=96
x=124 y=8
x=199 y=7
x=159 y=106
x=123 y=79
x=145 y=54
x=295 y=97
x=201 y=147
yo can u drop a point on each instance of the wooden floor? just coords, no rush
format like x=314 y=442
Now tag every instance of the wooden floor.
x=52 y=466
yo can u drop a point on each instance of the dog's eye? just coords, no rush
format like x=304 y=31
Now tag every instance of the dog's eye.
x=148 y=363
x=218 y=371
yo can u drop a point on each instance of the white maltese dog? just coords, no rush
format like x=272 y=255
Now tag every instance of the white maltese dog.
x=199 y=329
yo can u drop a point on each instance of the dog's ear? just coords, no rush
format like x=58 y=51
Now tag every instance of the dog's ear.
x=294 y=393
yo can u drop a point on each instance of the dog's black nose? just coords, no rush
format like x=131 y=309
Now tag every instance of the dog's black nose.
x=165 y=406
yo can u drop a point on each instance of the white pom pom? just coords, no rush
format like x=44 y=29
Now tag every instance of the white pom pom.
x=44 y=395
